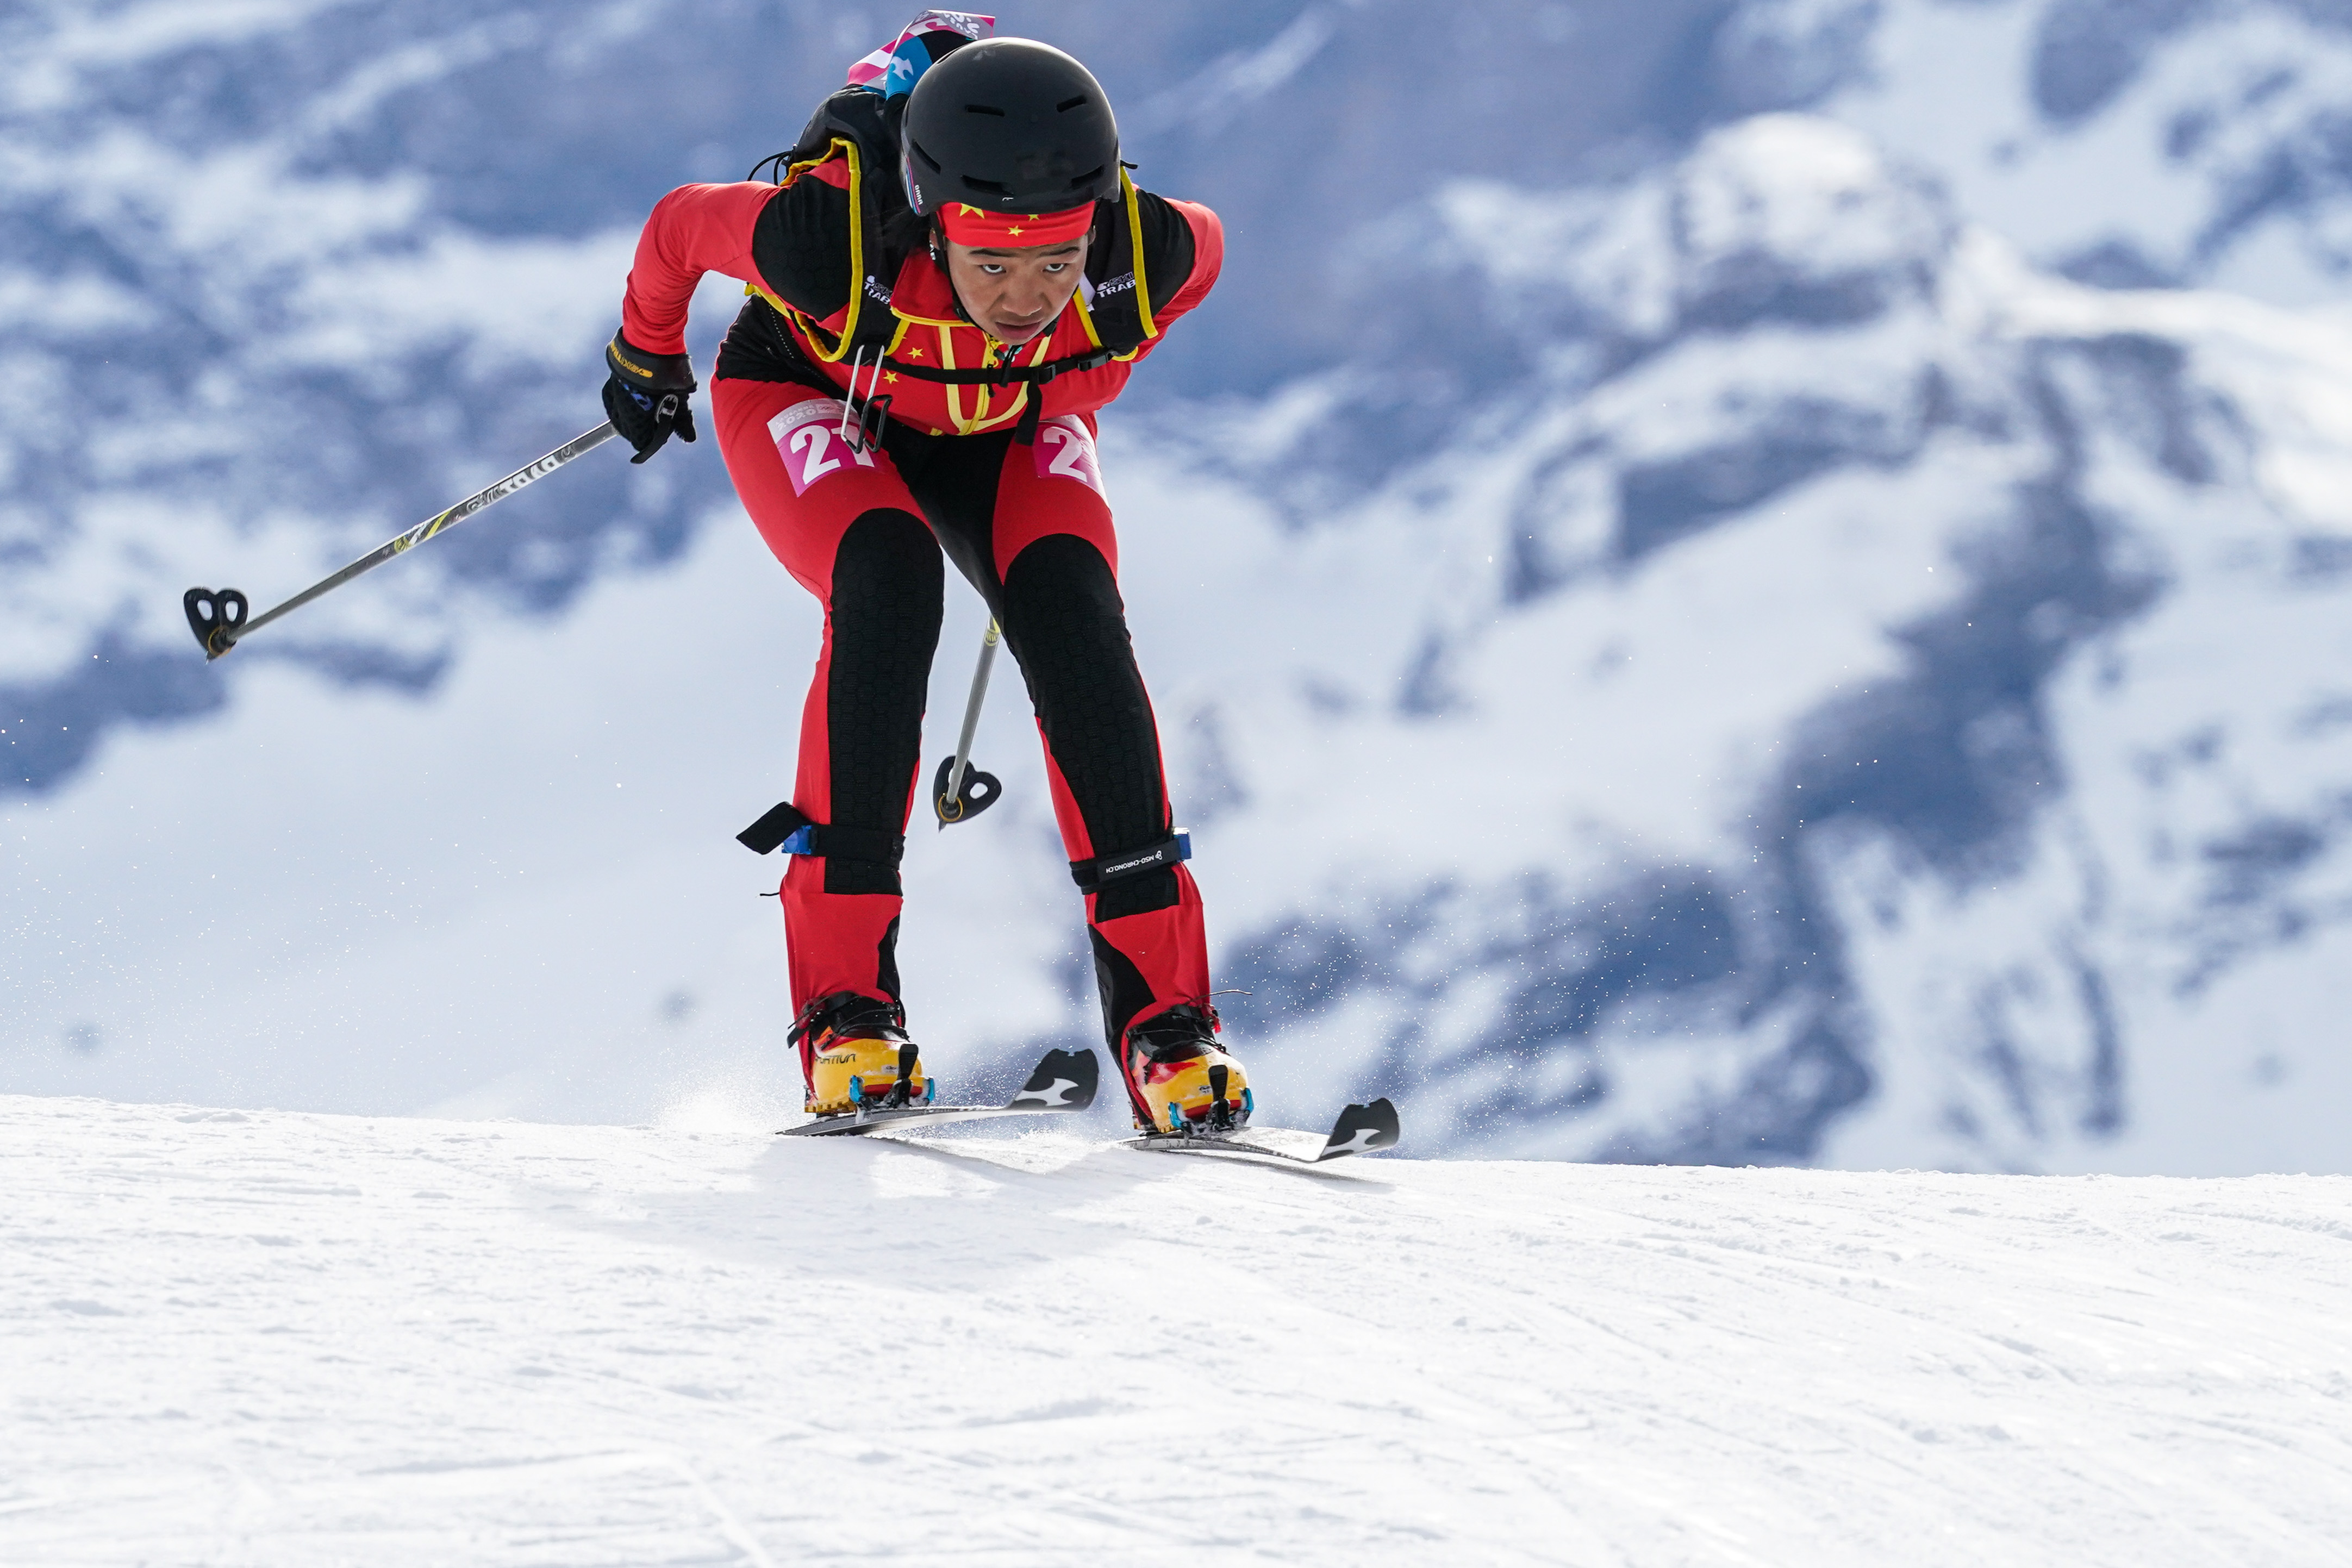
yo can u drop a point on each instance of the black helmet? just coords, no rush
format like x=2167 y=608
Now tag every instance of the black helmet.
x=1009 y=125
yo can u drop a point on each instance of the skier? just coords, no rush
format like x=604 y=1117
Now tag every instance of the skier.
x=949 y=276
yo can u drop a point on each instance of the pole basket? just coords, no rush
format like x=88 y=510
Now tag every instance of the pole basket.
x=979 y=792
x=215 y=616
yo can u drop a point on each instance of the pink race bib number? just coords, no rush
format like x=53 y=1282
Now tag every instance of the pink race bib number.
x=808 y=438
x=1066 y=450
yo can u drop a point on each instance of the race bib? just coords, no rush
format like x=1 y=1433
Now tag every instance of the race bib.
x=1066 y=450
x=808 y=438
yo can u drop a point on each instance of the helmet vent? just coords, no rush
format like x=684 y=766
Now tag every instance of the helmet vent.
x=926 y=157
x=1087 y=179
x=991 y=187
x=983 y=108
x=1068 y=104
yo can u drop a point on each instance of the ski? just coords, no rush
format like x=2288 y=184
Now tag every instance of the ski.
x=1360 y=1130
x=1065 y=1081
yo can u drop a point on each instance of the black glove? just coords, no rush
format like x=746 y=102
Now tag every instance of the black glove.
x=645 y=398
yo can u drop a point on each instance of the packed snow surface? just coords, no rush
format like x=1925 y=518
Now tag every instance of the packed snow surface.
x=263 y=1337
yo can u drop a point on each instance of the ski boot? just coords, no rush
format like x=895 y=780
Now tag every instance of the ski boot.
x=856 y=1055
x=1180 y=1079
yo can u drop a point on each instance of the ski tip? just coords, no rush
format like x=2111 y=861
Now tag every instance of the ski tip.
x=1361 y=1129
x=1065 y=1081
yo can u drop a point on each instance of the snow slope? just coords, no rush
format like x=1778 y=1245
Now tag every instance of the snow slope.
x=265 y=1338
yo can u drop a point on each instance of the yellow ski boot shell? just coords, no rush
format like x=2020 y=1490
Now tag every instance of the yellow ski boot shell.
x=1185 y=1095
x=841 y=1071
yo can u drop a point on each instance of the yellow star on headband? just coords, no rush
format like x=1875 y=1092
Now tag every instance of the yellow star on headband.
x=963 y=208
x=1015 y=231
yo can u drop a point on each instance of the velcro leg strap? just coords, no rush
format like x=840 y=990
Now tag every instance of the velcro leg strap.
x=1091 y=874
x=783 y=820
x=788 y=828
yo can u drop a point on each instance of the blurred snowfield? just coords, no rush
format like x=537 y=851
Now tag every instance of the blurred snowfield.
x=1777 y=599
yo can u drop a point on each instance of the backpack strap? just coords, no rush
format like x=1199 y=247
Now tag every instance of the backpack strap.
x=1007 y=375
x=1032 y=376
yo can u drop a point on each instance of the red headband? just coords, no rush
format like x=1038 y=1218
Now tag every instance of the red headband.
x=968 y=224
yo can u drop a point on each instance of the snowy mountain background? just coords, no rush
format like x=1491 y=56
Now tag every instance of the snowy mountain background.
x=1735 y=582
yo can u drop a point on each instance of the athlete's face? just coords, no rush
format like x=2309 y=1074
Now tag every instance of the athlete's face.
x=1013 y=295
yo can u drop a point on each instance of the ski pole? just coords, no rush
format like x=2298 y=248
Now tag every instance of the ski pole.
x=217 y=616
x=952 y=796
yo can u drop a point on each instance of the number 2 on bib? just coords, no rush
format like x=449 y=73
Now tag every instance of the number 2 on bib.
x=1066 y=450
x=817 y=442
x=811 y=446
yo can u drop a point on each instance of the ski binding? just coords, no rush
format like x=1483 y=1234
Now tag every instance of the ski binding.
x=1360 y=1130
x=1065 y=1081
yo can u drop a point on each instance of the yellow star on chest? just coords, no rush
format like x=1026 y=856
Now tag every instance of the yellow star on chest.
x=914 y=354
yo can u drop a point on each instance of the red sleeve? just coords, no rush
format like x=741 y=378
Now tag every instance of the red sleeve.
x=694 y=229
x=1207 y=260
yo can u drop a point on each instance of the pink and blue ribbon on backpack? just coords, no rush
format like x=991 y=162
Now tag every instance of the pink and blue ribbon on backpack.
x=893 y=69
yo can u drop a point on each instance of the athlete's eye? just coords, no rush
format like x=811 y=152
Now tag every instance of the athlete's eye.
x=991 y=268
x=1055 y=266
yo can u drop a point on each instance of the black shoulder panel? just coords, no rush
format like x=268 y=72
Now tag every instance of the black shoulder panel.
x=801 y=246
x=1167 y=247
x=1165 y=258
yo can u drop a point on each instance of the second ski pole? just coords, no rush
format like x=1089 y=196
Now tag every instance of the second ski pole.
x=963 y=791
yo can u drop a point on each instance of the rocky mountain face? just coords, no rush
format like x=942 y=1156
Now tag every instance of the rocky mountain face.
x=1896 y=695
x=2162 y=144
x=1777 y=567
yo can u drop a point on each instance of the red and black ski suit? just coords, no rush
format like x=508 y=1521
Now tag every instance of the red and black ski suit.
x=1026 y=523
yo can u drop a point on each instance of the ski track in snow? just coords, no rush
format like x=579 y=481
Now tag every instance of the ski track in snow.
x=262 y=1337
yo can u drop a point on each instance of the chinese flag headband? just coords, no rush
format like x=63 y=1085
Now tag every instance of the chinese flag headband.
x=968 y=224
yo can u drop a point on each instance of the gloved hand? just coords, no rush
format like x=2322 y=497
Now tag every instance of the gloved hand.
x=645 y=397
